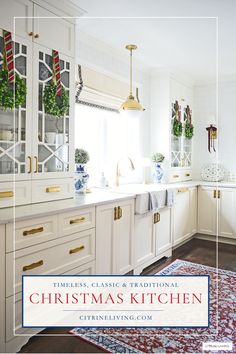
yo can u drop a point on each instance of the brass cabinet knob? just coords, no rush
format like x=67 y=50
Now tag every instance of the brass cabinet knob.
x=36 y=35
x=31 y=34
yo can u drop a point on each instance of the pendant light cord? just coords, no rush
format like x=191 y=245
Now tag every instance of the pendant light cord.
x=131 y=94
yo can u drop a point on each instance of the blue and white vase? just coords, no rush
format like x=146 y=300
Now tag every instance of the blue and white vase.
x=81 y=178
x=158 y=173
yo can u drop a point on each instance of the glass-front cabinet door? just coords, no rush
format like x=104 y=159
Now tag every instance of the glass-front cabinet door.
x=52 y=135
x=15 y=141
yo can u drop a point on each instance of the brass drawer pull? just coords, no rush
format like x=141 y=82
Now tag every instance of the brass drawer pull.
x=182 y=190
x=33 y=231
x=53 y=189
x=77 y=221
x=187 y=174
x=32 y=266
x=157 y=218
x=31 y=34
x=214 y=194
x=176 y=176
x=30 y=164
x=7 y=194
x=36 y=165
x=116 y=213
x=77 y=249
x=120 y=212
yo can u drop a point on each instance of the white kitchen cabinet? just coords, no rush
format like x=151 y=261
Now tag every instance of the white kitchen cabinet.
x=193 y=195
x=144 y=239
x=207 y=210
x=35 y=145
x=114 y=237
x=162 y=230
x=17 y=8
x=165 y=93
x=216 y=211
x=184 y=214
x=226 y=212
x=62 y=35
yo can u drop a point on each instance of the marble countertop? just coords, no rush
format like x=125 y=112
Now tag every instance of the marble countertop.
x=97 y=197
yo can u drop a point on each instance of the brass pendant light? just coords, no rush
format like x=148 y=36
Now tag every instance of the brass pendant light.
x=131 y=103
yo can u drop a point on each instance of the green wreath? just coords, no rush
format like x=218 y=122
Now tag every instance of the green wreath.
x=53 y=104
x=177 y=127
x=12 y=94
x=188 y=131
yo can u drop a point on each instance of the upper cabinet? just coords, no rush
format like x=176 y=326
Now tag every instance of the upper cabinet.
x=52 y=31
x=15 y=125
x=35 y=145
x=17 y=8
x=171 y=115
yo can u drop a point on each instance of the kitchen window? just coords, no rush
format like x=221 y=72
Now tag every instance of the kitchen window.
x=108 y=136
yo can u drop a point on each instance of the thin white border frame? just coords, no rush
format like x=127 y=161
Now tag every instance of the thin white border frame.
x=216 y=83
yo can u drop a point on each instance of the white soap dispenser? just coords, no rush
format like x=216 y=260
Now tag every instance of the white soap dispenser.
x=103 y=182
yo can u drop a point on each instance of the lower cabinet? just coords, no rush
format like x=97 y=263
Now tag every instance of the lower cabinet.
x=162 y=231
x=216 y=211
x=114 y=237
x=152 y=238
x=184 y=214
x=144 y=239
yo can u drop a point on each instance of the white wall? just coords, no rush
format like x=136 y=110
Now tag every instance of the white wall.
x=205 y=108
x=103 y=58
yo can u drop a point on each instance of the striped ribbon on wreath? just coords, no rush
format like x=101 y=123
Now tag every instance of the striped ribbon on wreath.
x=56 y=71
x=8 y=55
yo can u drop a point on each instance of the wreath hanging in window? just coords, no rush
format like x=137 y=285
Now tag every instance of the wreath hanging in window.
x=12 y=87
x=55 y=97
x=188 y=130
x=177 y=124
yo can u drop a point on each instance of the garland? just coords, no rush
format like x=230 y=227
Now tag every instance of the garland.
x=55 y=97
x=177 y=124
x=53 y=104
x=188 y=130
x=12 y=94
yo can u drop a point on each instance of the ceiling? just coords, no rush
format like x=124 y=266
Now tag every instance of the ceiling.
x=177 y=34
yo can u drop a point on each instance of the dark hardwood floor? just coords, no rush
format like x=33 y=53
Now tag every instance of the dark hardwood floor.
x=57 y=340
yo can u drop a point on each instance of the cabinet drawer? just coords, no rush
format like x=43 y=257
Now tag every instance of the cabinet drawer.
x=85 y=269
x=14 y=310
x=14 y=318
x=175 y=176
x=187 y=175
x=75 y=221
x=18 y=193
x=53 y=257
x=46 y=190
x=30 y=232
x=180 y=175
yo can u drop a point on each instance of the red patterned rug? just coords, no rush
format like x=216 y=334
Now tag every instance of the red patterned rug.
x=176 y=340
